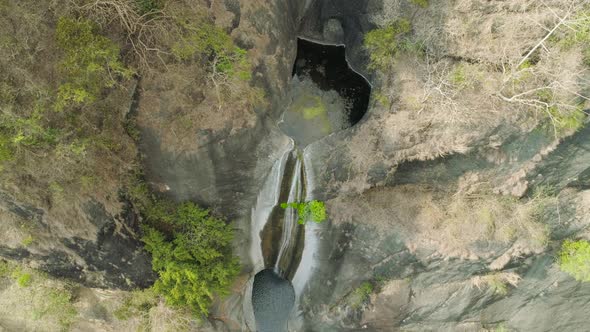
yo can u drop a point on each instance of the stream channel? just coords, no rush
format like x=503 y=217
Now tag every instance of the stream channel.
x=325 y=96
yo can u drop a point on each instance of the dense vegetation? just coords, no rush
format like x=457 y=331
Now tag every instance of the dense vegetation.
x=79 y=76
x=384 y=43
x=312 y=210
x=91 y=62
x=191 y=251
x=63 y=129
x=574 y=259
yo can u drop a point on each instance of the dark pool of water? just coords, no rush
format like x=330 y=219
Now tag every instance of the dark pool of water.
x=272 y=300
x=328 y=68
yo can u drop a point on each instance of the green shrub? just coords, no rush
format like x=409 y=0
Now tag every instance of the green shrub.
x=91 y=62
x=421 y=3
x=193 y=256
x=136 y=303
x=383 y=44
x=498 y=285
x=312 y=210
x=145 y=7
x=574 y=259
x=458 y=76
x=566 y=120
x=6 y=149
x=24 y=280
x=57 y=303
x=206 y=41
x=27 y=241
x=361 y=294
x=24 y=131
x=6 y=268
x=577 y=33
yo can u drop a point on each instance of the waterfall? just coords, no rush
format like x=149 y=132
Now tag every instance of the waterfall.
x=296 y=192
x=279 y=242
x=283 y=251
x=267 y=200
x=312 y=229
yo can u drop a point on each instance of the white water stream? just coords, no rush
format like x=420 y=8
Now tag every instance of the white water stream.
x=267 y=199
x=296 y=191
x=300 y=189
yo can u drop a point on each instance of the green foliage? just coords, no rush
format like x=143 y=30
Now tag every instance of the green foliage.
x=57 y=191
x=6 y=149
x=88 y=182
x=51 y=301
x=563 y=120
x=384 y=44
x=25 y=131
x=57 y=302
x=559 y=120
x=525 y=65
x=361 y=294
x=501 y=328
x=146 y=7
x=574 y=259
x=24 y=280
x=91 y=62
x=193 y=256
x=27 y=241
x=421 y=3
x=498 y=285
x=136 y=303
x=577 y=33
x=458 y=76
x=132 y=129
x=206 y=41
x=381 y=99
x=312 y=210
x=6 y=268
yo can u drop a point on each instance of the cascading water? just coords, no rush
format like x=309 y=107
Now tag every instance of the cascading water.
x=325 y=96
x=296 y=194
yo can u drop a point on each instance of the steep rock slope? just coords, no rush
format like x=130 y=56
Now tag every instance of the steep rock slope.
x=60 y=186
x=424 y=233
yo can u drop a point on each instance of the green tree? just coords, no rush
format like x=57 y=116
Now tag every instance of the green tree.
x=193 y=258
x=383 y=44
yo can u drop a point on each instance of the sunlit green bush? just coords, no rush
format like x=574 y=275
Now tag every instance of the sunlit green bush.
x=312 y=210
x=574 y=259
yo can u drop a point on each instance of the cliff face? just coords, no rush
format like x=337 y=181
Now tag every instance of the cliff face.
x=60 y=207
x=419 y=192
x=447 y=199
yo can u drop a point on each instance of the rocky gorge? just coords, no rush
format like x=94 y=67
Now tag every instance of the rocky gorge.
x=447 y=202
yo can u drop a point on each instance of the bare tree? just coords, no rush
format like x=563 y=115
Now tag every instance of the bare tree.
x=143 y=31
x=548 y=86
